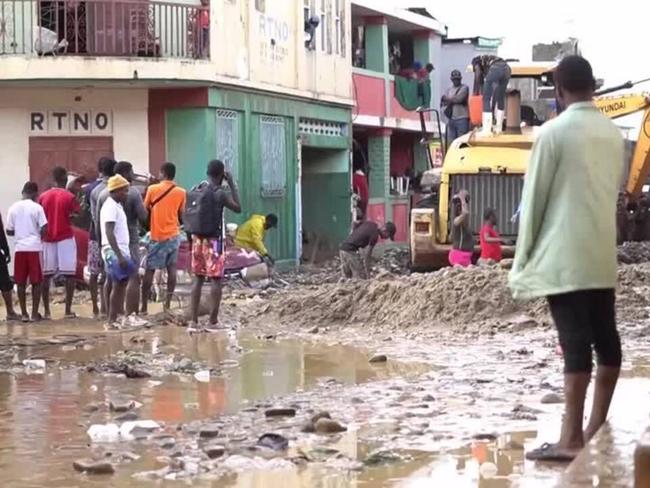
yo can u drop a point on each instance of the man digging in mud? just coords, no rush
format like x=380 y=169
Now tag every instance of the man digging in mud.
x=355 y=252
x=569 y=197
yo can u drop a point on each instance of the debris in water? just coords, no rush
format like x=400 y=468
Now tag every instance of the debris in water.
x=202 y=376
x=90 y=466
x=280 y=412
x=275 y=442
x=121 y=404
x=209 y=430
x=551 y=398
x=329 y=426
x=378 y=358
x=214 y=451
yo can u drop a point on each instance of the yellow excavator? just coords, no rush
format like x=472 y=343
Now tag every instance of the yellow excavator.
x=491 y=169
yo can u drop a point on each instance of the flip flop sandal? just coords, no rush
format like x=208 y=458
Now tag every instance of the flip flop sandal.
x=13 y=318
x=549 y=452
x=25 y=319
x=37 y=318
x=70 y=316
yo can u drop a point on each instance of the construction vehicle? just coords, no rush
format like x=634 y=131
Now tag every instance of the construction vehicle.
x=491 y=169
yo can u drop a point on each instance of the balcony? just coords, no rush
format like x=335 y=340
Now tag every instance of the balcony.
x=376 y=100
x=104 y=28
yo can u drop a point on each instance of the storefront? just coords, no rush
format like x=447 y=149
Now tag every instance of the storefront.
x=44 y=128
x=290 y=157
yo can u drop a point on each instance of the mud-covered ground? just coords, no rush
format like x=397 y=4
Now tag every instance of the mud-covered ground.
x=439 y=379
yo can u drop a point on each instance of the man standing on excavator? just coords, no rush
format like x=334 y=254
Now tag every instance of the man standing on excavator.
x=491 y=77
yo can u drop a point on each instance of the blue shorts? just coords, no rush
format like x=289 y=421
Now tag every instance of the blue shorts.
x=113 y=269
x=162 y=254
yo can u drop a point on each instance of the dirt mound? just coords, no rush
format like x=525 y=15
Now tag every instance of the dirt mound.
x=451 y=296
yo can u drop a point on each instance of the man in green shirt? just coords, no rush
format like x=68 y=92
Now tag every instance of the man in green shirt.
x=566 y=250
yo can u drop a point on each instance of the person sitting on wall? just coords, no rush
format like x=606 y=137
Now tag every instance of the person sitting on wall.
x=355 y=252
x=250 y=235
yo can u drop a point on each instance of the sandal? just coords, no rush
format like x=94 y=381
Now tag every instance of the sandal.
x=13 y=318
x=549 y=452
x=37 y=318
x=70 y=316
x=25 y=319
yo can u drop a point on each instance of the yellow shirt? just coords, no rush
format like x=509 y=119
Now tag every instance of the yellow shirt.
x=250 y=235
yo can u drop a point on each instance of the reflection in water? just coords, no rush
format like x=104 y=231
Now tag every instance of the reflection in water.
x=43 y=419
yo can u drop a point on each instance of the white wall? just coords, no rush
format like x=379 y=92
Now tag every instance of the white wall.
x=130 y=128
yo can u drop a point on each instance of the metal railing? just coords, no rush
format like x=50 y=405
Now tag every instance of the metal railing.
x=123 y=28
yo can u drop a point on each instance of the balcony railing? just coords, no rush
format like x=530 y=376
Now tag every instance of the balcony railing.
x=124 y=28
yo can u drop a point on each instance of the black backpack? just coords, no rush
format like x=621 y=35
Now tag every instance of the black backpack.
x=202 y=211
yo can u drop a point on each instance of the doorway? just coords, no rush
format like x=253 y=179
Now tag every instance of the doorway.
x=325 y=201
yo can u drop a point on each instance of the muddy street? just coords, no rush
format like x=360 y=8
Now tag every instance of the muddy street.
x=346 y=401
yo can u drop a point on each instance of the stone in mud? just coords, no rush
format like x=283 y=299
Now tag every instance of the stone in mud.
x=127 y=417
x=428 y=398
x=90 y=466
x=275 y=442
x=484 y=437
x=214 y=451
x=280 y=412
x=91 y=407
x=320 y=415
x=166 y=442
x=208 y=431
x=329 y=426
x=357 y=400
x=314 y=330
x=378 y=358
x=121 y=404
x=185 y=363
x=551 y=398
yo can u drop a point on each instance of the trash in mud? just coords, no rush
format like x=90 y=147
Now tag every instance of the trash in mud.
x=202 y=376
x=90 y=466
x=275 y=442
x=35 y=365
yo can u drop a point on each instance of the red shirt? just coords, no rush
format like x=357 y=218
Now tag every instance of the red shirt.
x=59 y=205
x=360 y=186
x=490 y=250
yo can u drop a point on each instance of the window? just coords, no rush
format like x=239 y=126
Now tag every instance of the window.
x=306 y=9
x=273 y=156
x=228 y=140
x=338 y=26
x=323 y=25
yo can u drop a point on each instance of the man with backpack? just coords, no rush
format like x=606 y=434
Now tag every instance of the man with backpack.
x=165 y=202
x=204 y=221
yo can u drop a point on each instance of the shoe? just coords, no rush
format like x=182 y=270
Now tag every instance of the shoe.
x=486 y=128
x=498 y=127
x=193 y=327
x=134 y=321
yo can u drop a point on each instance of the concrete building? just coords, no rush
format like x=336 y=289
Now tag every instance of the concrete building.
x=151 y=80
x=458 y=52
x=386 y=43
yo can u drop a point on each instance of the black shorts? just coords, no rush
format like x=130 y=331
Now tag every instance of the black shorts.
x=5 y=280
x=586 y=319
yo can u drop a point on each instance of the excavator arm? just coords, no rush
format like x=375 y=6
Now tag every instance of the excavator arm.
x=620 y=106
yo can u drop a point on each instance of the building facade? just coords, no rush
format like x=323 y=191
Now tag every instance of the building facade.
x=153 y=81
x=388 y=43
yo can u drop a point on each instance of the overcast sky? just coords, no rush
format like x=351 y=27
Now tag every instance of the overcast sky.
x=614 y=39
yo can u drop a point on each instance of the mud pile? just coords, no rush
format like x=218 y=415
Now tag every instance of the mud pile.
x=451 y=297
x=634 y=252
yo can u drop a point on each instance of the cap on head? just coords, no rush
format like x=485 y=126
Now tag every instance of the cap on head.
x=117 y=182
x=417 y=65
x=390 y=230
x=456 y=75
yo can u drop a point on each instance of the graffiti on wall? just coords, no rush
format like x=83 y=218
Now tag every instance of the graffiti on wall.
x=275 y=35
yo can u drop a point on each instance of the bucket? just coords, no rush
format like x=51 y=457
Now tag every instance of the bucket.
x=476 y=109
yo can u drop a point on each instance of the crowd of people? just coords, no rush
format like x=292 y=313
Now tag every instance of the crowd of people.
x=124 y=219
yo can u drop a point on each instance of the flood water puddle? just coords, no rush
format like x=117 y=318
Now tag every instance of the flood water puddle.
x=409 y=425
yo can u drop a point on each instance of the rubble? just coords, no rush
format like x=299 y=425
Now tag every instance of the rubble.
x=460 y=299
x=634 y=252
